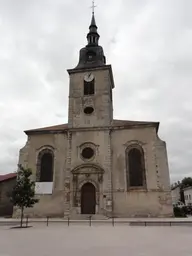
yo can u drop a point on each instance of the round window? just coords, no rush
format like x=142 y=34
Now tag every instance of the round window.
x=88 y=110
x=87 y=153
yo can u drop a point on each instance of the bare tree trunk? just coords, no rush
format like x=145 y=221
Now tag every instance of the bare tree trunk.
x=21 y=222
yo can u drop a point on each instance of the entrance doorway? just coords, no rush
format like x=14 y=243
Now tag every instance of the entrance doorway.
x=88 y=199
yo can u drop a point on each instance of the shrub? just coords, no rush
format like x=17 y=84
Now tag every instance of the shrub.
x=179 y=212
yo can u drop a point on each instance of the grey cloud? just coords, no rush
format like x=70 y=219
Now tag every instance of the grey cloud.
x=148 y=43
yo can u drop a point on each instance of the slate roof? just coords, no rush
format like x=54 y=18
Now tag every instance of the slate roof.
x=60 y=127
x=129 y=123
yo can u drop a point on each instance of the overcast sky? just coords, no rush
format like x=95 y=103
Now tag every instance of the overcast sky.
x=148 y=43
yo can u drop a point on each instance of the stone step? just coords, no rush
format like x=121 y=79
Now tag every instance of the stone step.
x=87 y=216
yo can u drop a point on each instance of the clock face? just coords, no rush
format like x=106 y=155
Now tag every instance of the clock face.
x=88 y=77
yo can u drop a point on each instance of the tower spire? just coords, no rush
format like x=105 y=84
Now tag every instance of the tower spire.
x=93 y=23
x=93 y=36
x=92 y=54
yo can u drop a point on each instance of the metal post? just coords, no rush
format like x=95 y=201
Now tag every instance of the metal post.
x=47 y=221
x=90 y=220
x=27 y=221
x=113 y=222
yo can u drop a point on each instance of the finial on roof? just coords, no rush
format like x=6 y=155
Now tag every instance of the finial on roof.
x=93 y=7
x=93 y=23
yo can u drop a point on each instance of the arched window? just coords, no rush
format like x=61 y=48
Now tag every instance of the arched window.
x=135 y=167
x=45 y=166
x=89 y=87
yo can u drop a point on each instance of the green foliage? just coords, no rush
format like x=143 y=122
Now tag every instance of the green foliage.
x=179 y=212
x=23 y=194
x=24 y=191
x=186 y=182
x=187 y=210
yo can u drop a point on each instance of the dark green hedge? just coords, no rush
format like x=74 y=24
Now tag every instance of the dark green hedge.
x=182 y=211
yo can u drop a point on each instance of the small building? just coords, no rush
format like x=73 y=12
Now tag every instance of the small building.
x=175 y=193
x=7 y=183
x=188 y=196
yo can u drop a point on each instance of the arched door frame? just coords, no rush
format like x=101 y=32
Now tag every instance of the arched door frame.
x=88 y=198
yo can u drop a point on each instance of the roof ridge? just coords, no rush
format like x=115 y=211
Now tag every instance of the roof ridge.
x=8 y=176
x=65 y=125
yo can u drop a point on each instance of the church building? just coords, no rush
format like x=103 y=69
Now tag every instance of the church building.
x=94 y=164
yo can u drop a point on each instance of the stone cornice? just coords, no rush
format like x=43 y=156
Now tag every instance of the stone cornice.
x=85 y=129
x=105 y=67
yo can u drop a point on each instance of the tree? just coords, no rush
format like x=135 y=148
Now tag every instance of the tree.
x=186 y=182
x=23 y=194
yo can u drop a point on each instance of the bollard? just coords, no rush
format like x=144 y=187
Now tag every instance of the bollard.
x=27 y=220
x=68 y=221
x=47 y=221
x=90 y=220
x=113 y=222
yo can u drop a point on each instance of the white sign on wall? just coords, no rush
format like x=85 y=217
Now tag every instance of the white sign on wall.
x=45 y=188
x=109 y=202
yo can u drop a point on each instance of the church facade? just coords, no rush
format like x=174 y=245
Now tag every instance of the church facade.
x=95 y=164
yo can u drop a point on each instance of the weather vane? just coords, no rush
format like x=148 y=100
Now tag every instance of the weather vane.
x=93 y=6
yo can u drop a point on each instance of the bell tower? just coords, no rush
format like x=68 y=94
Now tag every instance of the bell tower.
x=91 y=84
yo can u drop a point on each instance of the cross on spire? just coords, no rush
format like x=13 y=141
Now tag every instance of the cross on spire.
x=93 y=7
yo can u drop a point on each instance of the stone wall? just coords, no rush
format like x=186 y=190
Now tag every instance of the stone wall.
x=109 y=146
x=48 y=205
x=6 y=187
x=176 y=195
x=99 y=140
x=142 y=204
x=155 y=200
x=101 y=101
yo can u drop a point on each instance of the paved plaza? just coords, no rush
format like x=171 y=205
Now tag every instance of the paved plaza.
x=101 y=240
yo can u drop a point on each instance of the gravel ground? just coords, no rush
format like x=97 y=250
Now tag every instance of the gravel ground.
x=96 y=240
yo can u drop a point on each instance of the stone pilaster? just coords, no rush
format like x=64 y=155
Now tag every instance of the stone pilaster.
x=70 y=112
x=157 y=171
x=67 y=185
x=108 y=170
x=59 y=162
